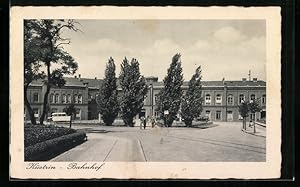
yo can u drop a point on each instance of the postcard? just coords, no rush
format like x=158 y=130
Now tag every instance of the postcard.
x=170 y=92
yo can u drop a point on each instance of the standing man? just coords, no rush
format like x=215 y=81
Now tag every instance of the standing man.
x=145 y=123
x=152 y=121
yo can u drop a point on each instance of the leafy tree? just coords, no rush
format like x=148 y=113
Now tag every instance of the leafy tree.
x=108 y=97
x=253 y=108
x=170 y=95
x=191 y=106
x=32 y=64
x=53 y=54
x=134 y=89
x=70 y=110
x=244 y=112
x=249 y=107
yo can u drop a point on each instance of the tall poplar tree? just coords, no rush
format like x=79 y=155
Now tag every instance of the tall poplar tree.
x=134 y=90
x=192 y=100
x=108 y=98
x=170 y=95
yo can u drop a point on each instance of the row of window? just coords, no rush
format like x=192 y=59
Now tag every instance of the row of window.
x=65 y=98
x=54 y=98
x=230 y=99
x=229 y=115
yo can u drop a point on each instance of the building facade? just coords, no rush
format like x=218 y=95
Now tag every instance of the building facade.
x=220 y=98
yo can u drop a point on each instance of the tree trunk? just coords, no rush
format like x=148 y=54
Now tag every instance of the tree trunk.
x=28 y=106
x=42 y=118
x=244 y=123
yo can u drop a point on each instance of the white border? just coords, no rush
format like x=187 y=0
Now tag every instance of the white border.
x=162 y=170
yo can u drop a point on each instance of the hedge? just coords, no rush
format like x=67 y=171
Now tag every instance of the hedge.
x=34 y=134
x=50 y=148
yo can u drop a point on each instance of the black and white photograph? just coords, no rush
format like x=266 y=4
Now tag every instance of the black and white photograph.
x=100 y=95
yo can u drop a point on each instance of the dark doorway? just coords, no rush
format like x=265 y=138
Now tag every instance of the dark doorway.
x=142 y=113
x=263 y=114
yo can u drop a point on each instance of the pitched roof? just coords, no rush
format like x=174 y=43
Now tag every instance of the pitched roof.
x=70 y=81
x=221 y=84
x=96 y=83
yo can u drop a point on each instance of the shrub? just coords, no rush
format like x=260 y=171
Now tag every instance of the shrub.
x=50 y=148
x=34 y=134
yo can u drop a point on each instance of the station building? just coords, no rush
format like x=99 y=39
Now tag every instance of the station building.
x=220 y=98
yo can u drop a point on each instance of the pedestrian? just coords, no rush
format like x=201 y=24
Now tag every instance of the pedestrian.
x=251 y=123
x=145 y=123
x=141 y=122
x=153 y=121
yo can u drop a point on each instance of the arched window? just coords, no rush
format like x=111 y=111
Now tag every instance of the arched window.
x=230 y=99
x=252 y=97
x=56 y=99
x=241 y=98
x=52 y=98
x=68 y=98
x=35 y=97
x=75 y=99
x=64 y=98
x=263 y=100
x=80 y=99
x=218 y=99
x=207 y=99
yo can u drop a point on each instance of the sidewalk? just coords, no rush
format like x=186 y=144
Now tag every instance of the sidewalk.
x=260 y=131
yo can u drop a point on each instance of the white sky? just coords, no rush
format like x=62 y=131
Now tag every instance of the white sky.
x=223 y=48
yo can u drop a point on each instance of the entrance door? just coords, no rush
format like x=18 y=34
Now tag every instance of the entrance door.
x=142 y=113
x=263 y=114
x=229 y=116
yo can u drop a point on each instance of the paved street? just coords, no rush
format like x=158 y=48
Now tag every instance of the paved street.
x=225 y=142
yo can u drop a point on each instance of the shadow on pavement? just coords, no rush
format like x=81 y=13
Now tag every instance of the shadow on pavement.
x=91 y=130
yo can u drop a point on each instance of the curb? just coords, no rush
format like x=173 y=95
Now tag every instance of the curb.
x=253 y=134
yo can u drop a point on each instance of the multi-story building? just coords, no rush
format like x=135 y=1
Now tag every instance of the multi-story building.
x=220 y=98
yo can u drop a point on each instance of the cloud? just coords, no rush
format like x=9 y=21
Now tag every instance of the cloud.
x=224 y=53
x=228 y=35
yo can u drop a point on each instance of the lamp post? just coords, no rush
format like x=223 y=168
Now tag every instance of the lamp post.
x=151 y=96
x=225 y=89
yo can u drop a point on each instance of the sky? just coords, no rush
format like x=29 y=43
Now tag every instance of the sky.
x=224 y=48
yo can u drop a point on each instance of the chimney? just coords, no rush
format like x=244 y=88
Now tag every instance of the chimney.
x=79 y=76
x=244 y=79
x=254 y=79
x=249 y=74
x=95 y=78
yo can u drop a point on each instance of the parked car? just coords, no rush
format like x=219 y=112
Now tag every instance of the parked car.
x=60 y=117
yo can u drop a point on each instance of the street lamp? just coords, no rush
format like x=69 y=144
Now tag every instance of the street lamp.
x=225 y=88
x=166 y=113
